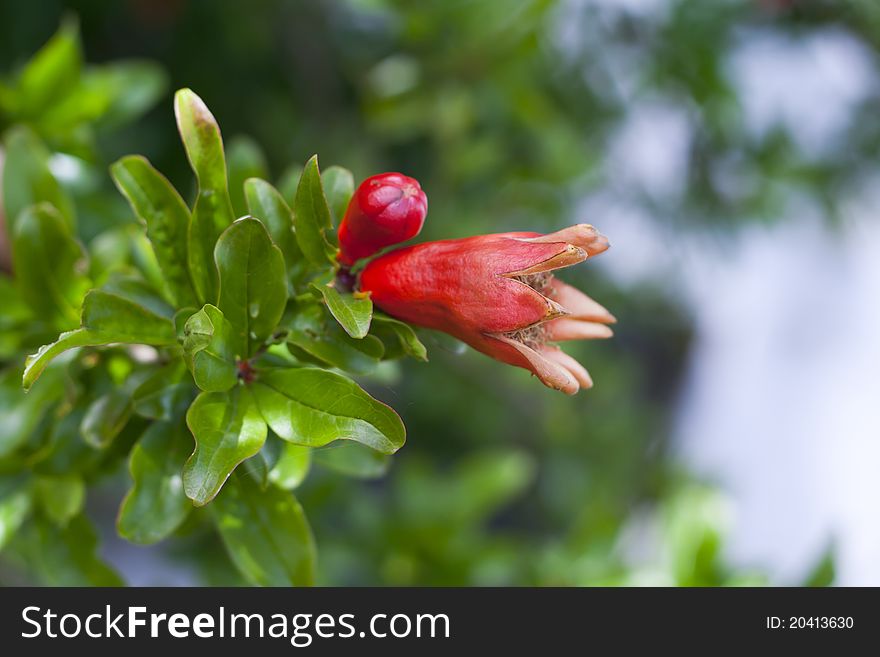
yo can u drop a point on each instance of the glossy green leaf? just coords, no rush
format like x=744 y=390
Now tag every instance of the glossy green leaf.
x=27 y=179
x=66 y=451
x=353 y=313
x=15 y=503
x=50 y=265
x=253 y=287
x=68 y=556
x=314 y=333
x=314 y=407
x=389 y=329
x=265 y=533
x=106 y=319
x=312 y=219
x=180 y=319
x=245 y=160
x=209 y=342
x=339 y=188
x=201 y=138
x=106 y=417
x=213 y=210
x=266 y=204
x=144 y=258
x=35 y=363
x=156 y=504
x=336 y=349
x=127 y=321
x=61 y=497
x=164 y=394
x=227 y=428
x=166 y=217
x=292 y=466
x=256 y=468
x=271 y=451
x=353 y=460
x=139 y=291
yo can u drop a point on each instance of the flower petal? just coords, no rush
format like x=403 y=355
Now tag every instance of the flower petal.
x=566 y=328
x=578 y=371
x=551 y=373
x=579 y=305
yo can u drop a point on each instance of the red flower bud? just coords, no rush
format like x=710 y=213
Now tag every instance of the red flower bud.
x=386 y=209
x=496 y=293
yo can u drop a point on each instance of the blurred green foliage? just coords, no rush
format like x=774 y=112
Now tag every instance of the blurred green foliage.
x=505 y=112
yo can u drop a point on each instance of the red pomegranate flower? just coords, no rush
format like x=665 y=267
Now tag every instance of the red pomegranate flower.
x=497 y=294
x=386 y=209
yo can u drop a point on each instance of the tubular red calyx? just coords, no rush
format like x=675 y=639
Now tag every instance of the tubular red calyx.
x=497 y=293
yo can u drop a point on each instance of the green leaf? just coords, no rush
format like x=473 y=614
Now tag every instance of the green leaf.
x=106 y=319
x=166 y=217
x=180 y=319
x=339 y=188
x=314 y=407
x=105 y=418
x=20 y=413
x=253 y=287
x=105 y=96
x=144 y=258
x=15 y=320
x=156 y=504
x=15 y=503
x=317 y=335
x=353 y=459
x=50 y=265
x=66 y=451
x=35 y=363
x=213 y=210
x=53 y=72
x=27 y=179
x=246 y=160
x=209 y=343
x=353 y=313
x=387 y=328
x=227 y=428
x=292 y=466
x=68 y=556
x=256 y=468
x=311 y=217
x=61 y=497
x=266 y=204
x=126 y=89
x=266 y=534
x=138 y=291
x=164 y=393
x=124 y=320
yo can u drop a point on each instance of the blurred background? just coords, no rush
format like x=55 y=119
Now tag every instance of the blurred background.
x=730 y=151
